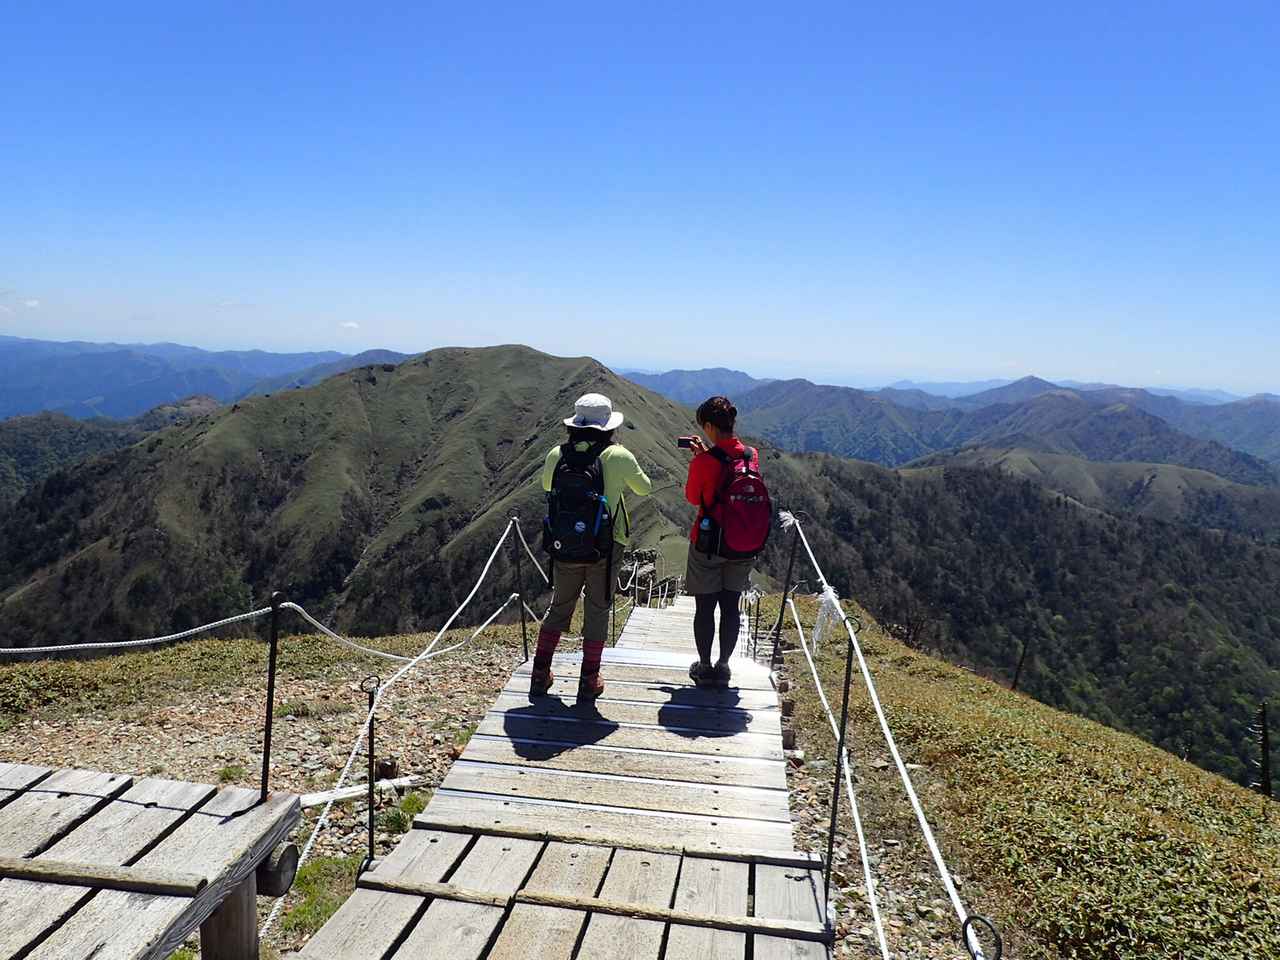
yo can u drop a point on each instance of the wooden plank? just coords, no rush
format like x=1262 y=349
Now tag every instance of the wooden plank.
x=666 y=765
x=747 y=679
x=710 y=887
x=116 y=835
x=784 y=893
x=633 y=792
x=674 y=714
x=634 y=877
x=370 y=922
x=429 y=891
x=798 y=929
x=581 y=732
x=41 y=814
x=569 y=871
x=462 y=931
x=16 y=777
x=641 y=692
x=224 y=840
x=780 y=858
x=96 y=876
x=607 y=824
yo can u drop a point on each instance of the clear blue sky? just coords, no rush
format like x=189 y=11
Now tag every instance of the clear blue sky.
x=851 y=192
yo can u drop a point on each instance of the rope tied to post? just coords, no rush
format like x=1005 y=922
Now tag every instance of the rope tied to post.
x=791 y=521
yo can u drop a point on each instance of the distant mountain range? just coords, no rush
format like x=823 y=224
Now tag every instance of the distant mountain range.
x=121 y=381
x=375 y=496
x=954 y=389
x=898 y=424
x=691 y=387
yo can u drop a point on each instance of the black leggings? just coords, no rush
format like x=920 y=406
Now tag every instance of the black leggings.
x=704 y=623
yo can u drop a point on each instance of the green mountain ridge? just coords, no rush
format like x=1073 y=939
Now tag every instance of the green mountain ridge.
x=807 y=417
x=375 y=497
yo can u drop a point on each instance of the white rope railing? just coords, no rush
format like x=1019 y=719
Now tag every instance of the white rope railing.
x=341 y=639
x=529 y=550
x=363 y=732
x=127 y=644
x=789 y=521
x=843 y=760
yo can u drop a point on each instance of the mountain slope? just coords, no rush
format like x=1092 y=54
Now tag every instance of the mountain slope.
x=375 y=497
x=371 y=497
x=1158 y=491
x=805 y=417
x=691 y=387
x=312 y=375
x=1028 y=388
x=1160 y=629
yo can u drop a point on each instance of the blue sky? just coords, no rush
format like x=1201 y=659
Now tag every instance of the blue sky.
x=835 y=191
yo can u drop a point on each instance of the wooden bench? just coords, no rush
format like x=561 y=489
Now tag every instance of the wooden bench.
x=111 y=867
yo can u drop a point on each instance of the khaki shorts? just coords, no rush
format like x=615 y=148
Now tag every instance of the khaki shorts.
x=591 y=581
x=712 y=574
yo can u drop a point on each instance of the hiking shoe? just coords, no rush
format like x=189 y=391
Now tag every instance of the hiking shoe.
x=590 y=686
x=702 y=674
x=540 y=682
x=721 y=674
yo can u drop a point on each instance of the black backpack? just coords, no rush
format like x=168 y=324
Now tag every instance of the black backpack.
x=579 y=524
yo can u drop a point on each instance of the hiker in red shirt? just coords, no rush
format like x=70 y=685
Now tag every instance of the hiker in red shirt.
x=718 y=572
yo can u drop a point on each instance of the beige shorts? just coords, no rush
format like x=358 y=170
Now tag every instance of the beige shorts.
x=713 y=574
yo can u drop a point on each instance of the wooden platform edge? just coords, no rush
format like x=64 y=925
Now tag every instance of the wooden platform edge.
x=784 y=929
x=804 y=861
x=101 y=877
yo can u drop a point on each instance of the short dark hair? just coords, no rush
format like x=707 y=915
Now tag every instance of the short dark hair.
x=718 y=412
x=589 y=435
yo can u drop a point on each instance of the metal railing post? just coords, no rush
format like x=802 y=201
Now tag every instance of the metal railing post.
x=516 y=543
x=370 y=685
x=277 y=598
x=786 y=590
x=1264 y=743
x=839 y=766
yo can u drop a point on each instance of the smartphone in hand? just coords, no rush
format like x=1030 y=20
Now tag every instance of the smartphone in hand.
x=684 y=442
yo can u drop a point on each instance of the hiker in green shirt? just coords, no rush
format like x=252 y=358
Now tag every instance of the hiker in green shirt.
x=587 y=480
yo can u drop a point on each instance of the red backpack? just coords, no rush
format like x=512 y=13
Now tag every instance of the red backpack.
x=743 y=511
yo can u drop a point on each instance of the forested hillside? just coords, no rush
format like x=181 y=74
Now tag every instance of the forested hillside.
x=1162 y=629
x=807 y=417
x=374 y=498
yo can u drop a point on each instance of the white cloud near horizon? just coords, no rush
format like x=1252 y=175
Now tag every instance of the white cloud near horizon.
x=349 y=325
x=31 y=304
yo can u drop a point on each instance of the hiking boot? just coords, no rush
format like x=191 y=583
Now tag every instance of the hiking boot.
x=721 y=674
x=702 y=674
x=590 y=686
x=540 y=682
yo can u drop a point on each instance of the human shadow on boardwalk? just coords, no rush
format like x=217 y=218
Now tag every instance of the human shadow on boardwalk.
x=550 y=726
x=695 y=712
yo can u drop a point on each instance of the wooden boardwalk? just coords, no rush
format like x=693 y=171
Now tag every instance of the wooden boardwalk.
x=109 y=867
x=651 y=824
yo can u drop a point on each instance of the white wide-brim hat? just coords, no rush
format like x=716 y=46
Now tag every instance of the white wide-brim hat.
x=594 y=411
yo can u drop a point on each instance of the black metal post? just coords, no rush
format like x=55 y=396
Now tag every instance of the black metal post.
x=786 y=590
x=524 y=622
x=1264 y=738
x=277 y=598
x=370 y=686
x=839 y=765
x=1017 y=674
